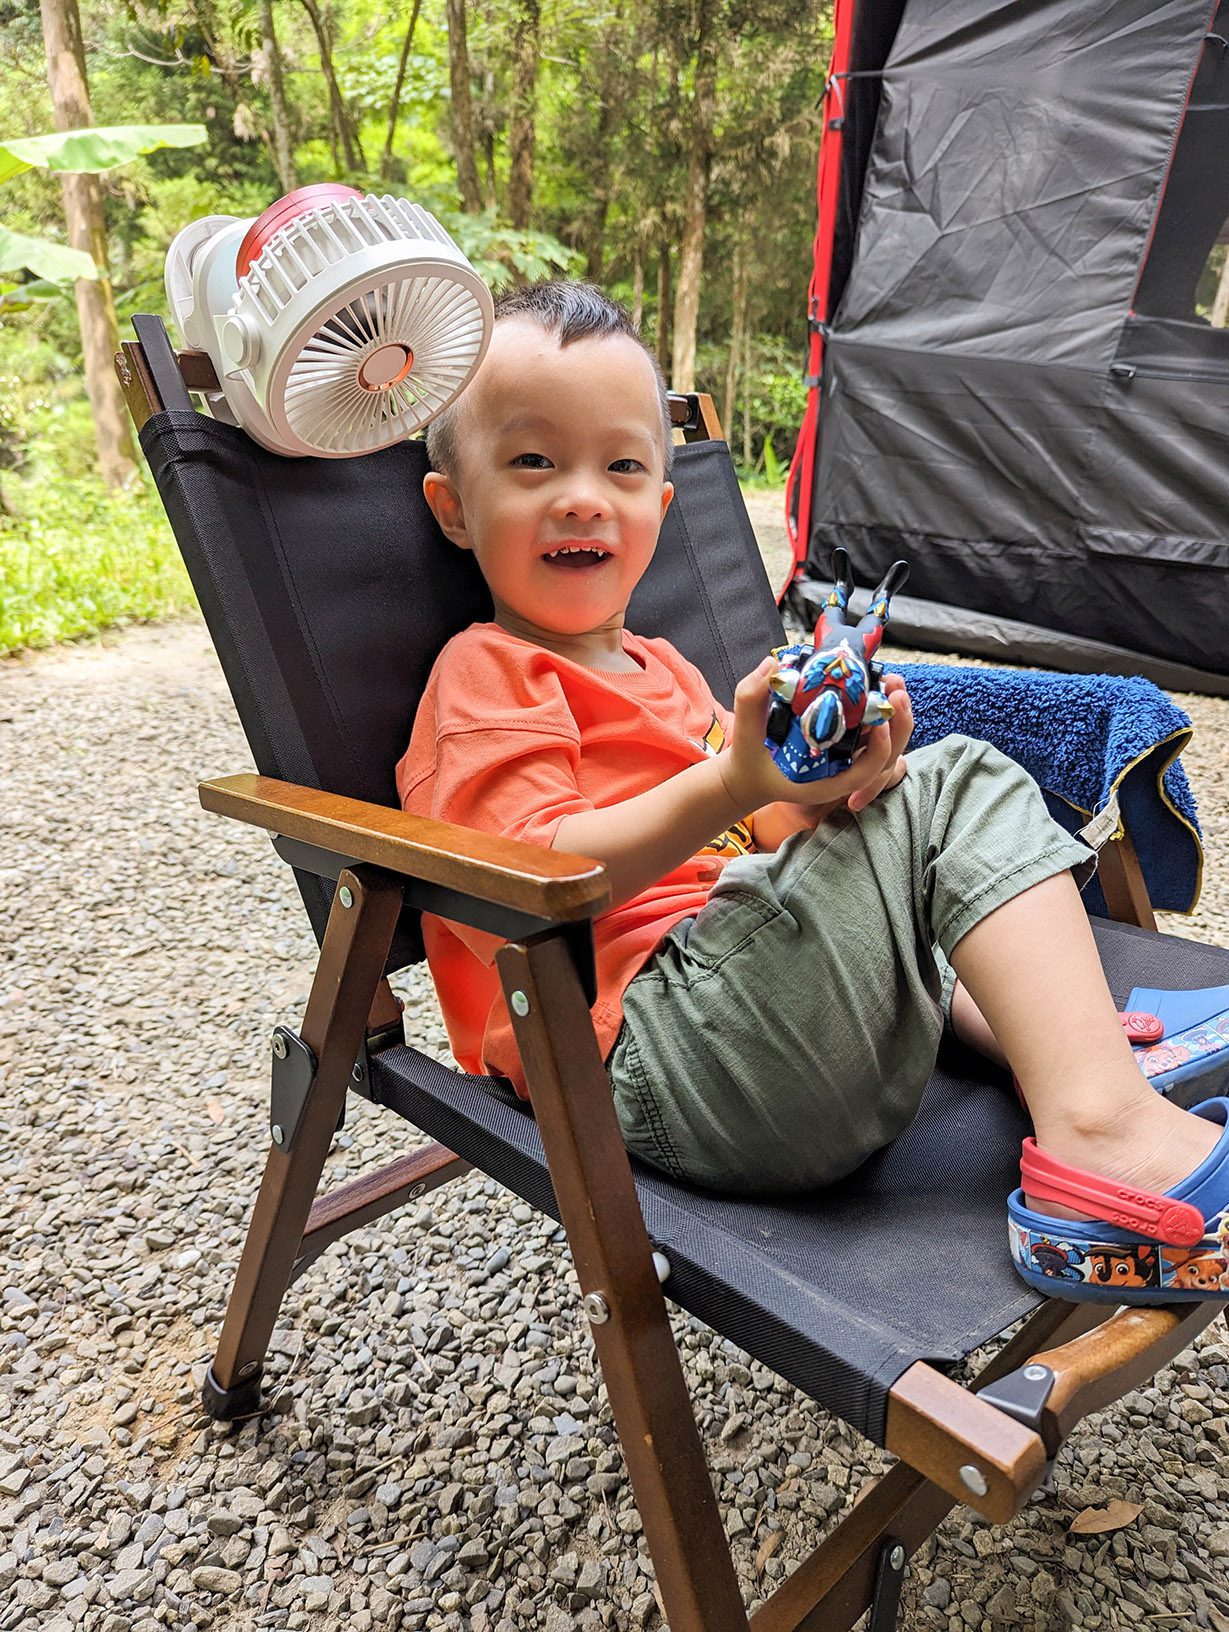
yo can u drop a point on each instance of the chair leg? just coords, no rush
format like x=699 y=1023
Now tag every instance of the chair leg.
x=621 y=1296
x=1122 y=883
x=836 y=1584
x=639 y=1359
x=351 y=966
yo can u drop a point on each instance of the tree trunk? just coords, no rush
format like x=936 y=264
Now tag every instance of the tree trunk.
x=663 y=310
x=695 y=204
x=637 y=284
x=386 y=158
x=1220 y=301
x=339 y=117
x=217 y=49
x=464 y=140
x=486 y=127
x=595 y=235
x=86 y=230
x=738 y=331
x=610 y=95
x=283 y=158
x=521 y=132
x=746 y=401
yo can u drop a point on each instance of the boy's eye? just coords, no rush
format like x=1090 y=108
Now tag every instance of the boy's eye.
x=627 y=467
x=532 y=461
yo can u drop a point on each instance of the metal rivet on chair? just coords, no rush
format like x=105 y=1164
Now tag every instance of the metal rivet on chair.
x=520 y=1004
x=346 y=896
x=973 y=1479
x=662 y=1265
x=276 y=1131
x=357 y=1074
x=597 y=1310
x=1036 y=1374
x=896 y=1558
x=279 y=1045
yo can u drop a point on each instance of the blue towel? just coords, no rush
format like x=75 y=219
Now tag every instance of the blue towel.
x=1084 y=738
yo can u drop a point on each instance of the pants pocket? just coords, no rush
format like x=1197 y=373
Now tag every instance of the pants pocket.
x=724 y=925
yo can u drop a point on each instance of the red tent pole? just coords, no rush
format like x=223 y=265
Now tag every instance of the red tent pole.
x=828 y=190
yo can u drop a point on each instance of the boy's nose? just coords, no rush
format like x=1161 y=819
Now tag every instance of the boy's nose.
x=584 y=500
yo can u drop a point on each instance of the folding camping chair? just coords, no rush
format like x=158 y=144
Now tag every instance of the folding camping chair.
x=328 y=593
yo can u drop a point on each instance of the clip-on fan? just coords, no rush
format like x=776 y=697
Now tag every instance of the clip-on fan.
x=337 y=322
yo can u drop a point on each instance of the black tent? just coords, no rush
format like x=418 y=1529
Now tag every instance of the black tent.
x=1019 y=365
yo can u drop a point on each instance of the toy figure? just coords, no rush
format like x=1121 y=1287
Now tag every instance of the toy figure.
x=826 y=693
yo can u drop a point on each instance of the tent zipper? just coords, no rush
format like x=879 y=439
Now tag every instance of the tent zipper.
x=1126 y=372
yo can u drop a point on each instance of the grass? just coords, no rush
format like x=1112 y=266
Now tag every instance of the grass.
x=77 y=557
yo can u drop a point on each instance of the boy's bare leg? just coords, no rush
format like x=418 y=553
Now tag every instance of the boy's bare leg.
x=972 y=1028
x=1031 y=968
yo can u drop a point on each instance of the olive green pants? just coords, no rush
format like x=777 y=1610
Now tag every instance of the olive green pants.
x=779 y=1038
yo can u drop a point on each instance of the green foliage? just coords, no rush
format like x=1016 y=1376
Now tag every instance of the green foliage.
x=53 y=263
x=94 y=150
x=1209 y=280
x=500 y=254
x=76 y=557
x=776 y=400
x=614 y=122
x=769 y=402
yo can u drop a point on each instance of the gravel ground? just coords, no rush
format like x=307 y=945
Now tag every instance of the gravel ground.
x=439 y=1452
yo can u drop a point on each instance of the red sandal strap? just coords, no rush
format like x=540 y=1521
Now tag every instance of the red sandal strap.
x=1160 y=1218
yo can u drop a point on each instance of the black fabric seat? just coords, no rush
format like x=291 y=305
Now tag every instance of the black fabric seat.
x=841 y=1292
x=328 y=592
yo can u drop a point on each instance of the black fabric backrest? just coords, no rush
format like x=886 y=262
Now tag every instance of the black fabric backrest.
x=328 y=591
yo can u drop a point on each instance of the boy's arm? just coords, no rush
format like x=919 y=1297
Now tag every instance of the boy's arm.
x=642 y=839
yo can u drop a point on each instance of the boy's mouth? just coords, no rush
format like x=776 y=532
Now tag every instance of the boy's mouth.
x=576 y=556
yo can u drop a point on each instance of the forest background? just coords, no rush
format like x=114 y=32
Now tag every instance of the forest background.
x=663 y=148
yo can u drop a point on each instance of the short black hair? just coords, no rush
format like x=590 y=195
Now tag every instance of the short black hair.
x=569 y=311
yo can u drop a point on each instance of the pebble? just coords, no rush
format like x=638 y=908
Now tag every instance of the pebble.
x=213 y=1578
x=443 y=1461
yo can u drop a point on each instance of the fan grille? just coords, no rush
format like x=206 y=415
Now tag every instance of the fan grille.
x=438 y=322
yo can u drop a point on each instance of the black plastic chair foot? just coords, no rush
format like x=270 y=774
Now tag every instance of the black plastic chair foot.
x=228 y=1404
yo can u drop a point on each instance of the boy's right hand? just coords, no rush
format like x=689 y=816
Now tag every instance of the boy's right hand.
x=751 y=775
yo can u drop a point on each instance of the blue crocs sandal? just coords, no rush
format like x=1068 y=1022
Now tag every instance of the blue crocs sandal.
x=1138 y=1248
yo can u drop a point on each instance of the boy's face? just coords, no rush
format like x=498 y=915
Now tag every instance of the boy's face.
x=560 y=490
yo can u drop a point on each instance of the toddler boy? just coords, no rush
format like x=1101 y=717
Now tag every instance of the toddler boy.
x=769 y=1000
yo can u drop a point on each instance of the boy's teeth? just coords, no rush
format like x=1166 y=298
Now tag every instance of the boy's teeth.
x=574 y=549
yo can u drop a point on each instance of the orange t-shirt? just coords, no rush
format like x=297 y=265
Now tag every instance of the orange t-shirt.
x=511 y=738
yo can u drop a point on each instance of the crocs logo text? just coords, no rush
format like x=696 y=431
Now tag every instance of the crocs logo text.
x=1134 y=1198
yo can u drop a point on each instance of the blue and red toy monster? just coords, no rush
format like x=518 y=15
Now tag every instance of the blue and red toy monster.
x=826 y=693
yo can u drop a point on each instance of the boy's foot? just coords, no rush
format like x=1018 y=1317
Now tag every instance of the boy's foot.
x=1129 y=1237
x=1153 y=1148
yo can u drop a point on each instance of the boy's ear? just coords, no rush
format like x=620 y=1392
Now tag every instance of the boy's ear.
x=667 y=493
x=444 y=503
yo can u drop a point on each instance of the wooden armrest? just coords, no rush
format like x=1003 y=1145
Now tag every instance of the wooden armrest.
x=942 y=1429
x=946 y=1432
x=1122 y=1353
x=547 y=884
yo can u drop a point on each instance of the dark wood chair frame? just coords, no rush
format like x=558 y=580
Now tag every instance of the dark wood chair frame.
x=989 y=1446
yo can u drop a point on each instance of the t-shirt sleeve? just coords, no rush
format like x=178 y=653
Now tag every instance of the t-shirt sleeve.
x=520 y=784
